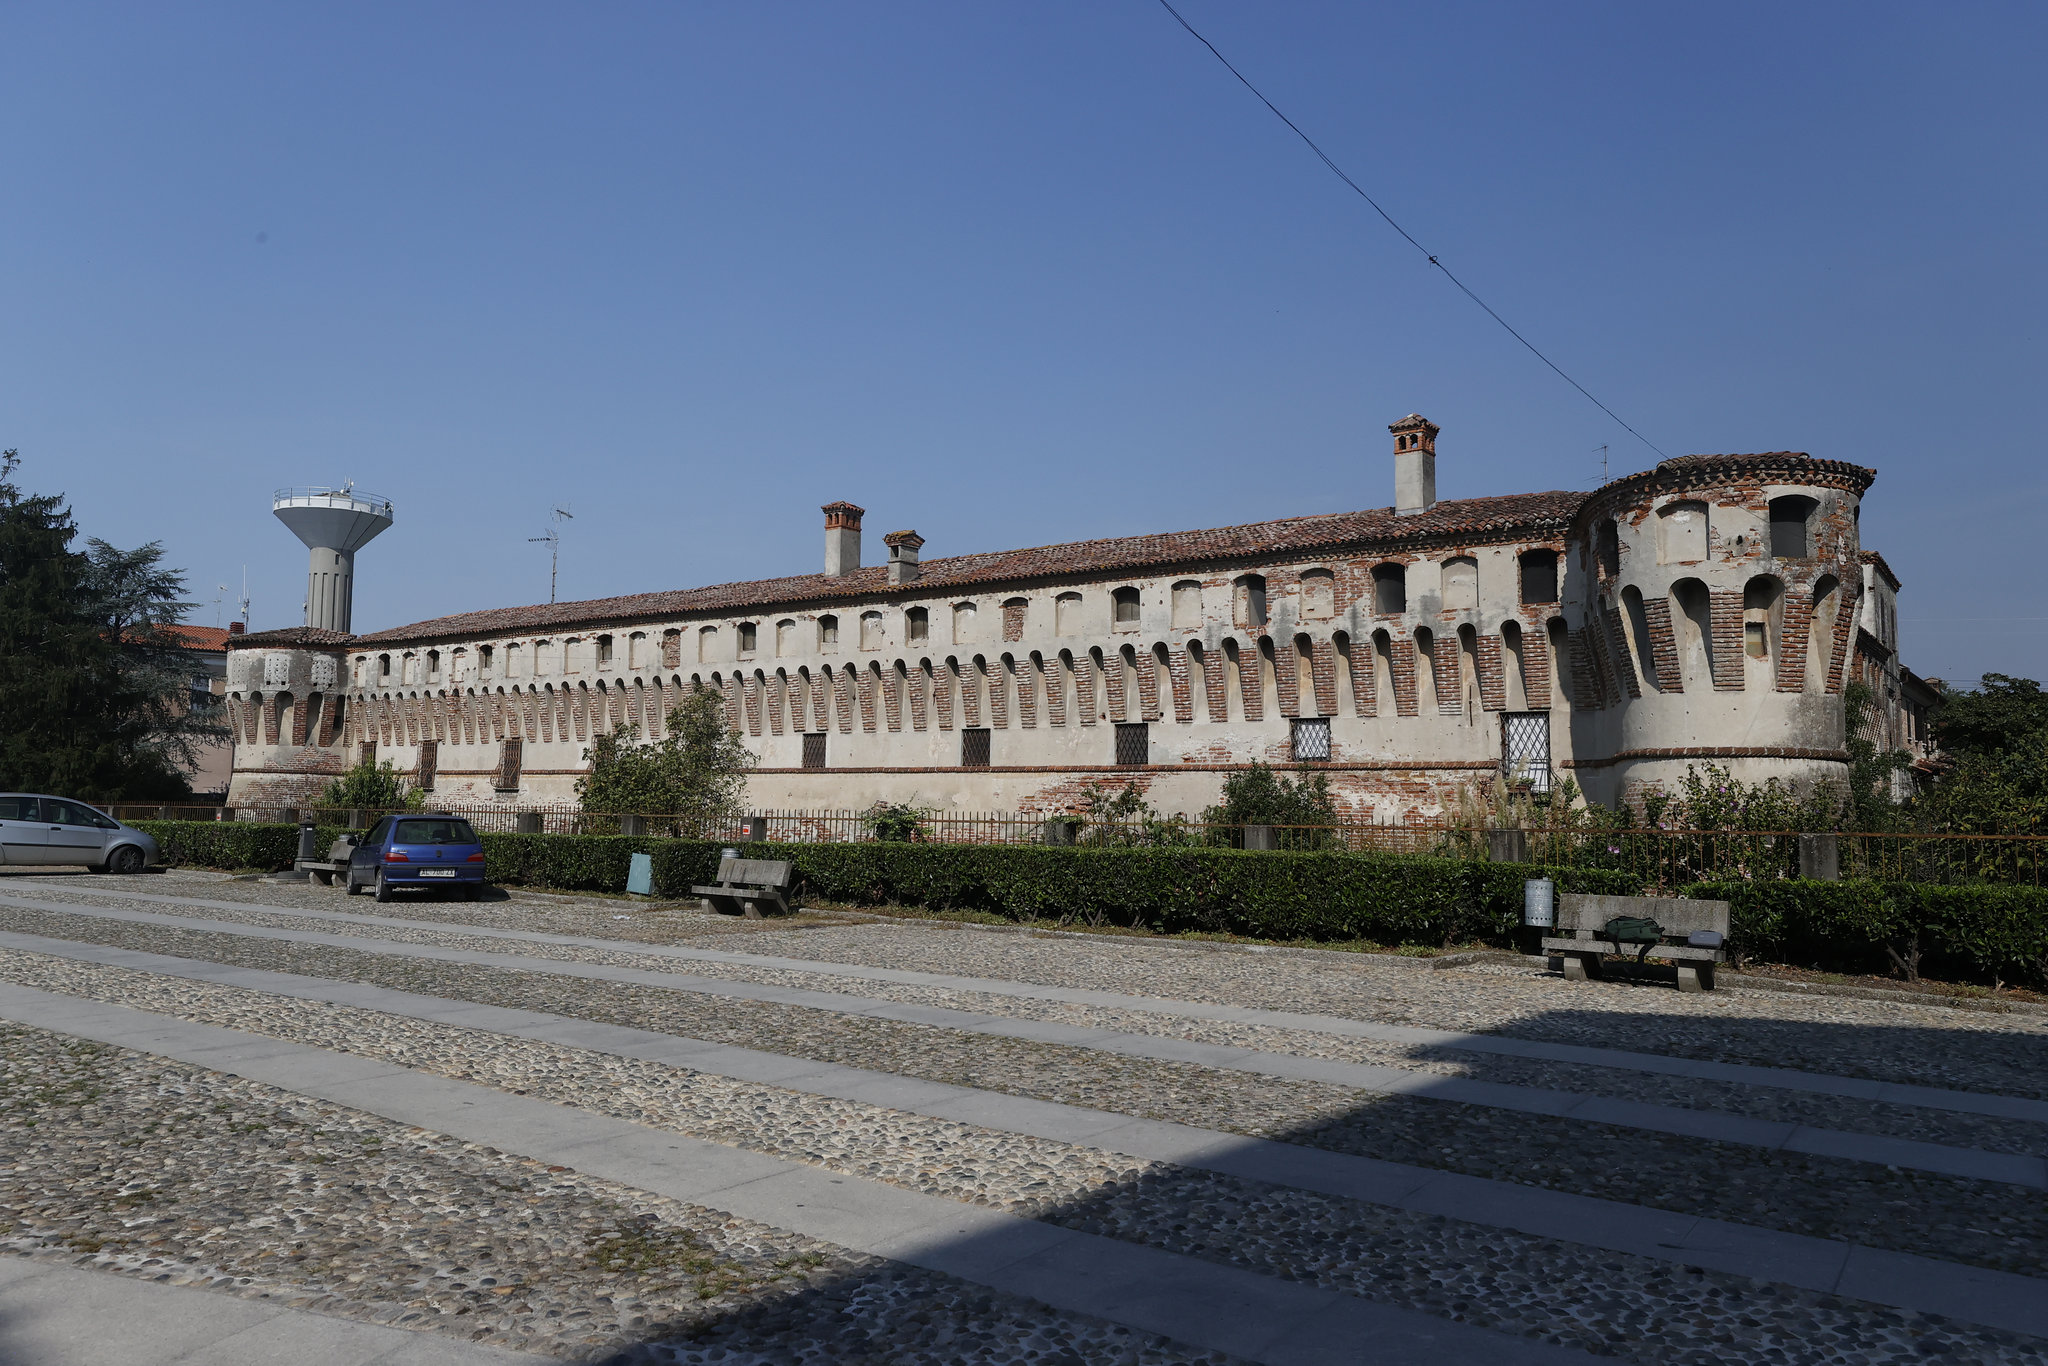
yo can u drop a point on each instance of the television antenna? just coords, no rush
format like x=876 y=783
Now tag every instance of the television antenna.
x=1603 y=465
x=553 y=541
x=220 y=595
x=244 y=600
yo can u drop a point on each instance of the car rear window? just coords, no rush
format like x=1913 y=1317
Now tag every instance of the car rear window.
x=18 y=809
x=434 y=832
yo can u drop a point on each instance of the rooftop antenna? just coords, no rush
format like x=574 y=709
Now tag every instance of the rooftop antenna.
x=553 y=541
x=1603 y=466
x=220 y=595
x=245 y=597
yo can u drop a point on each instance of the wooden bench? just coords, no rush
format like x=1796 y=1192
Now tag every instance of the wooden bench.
x=1576 y=950
x=747 y=884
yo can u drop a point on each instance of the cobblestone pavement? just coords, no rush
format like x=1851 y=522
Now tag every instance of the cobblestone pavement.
x=297 y=1204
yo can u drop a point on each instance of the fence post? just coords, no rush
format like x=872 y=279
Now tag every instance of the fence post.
x=528 y=822
x=1507 y=846
x=1820 y=858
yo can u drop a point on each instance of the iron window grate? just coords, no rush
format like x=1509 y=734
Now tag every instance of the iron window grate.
x=513 y=755
x=430 y=760
x=1525 y=749
x=1312 y=740
x=1133 y=743
x=814 y=750
x=974 y=747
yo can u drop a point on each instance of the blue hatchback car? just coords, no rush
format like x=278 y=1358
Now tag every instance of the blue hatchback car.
x=426 y=850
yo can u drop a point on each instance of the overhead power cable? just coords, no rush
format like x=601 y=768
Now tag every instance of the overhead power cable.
x=1338 y=171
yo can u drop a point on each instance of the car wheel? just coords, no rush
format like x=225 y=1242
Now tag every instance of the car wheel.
x=383 y=887
x=124 y=858
x=350 y=885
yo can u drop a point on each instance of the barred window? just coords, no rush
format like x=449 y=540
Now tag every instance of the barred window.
x=814 y=750
x=1312 y=740
x=430 y=759
x=1133 y=743
x=509 y=761
x=1525 y=749
x=974 y=747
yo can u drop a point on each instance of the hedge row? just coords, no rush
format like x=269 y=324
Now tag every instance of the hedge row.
x=1386 y=898
x=231 y=844
x=1327 y=896
x=1911 y=928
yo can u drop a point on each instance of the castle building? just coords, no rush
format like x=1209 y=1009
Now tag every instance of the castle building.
x=1711 y=608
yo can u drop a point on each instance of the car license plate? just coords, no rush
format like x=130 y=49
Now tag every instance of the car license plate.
x=437 y=872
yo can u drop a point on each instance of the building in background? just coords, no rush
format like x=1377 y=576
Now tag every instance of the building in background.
x=205 y=651
x=1707 y=609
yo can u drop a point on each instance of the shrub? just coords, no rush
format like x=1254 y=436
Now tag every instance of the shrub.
x=1999 y=933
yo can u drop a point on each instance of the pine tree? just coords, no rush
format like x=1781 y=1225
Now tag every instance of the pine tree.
x=85 y=706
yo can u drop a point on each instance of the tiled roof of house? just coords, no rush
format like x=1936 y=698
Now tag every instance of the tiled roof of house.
x=1376 y=528
x=207 y=638
x=290 y=636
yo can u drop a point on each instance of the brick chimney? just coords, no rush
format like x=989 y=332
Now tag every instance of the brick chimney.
x=236 y=628
x=903 y=548
x=842 y=538
x=1414 y=464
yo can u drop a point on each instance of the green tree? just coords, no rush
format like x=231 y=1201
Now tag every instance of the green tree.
x=371 y=786
x=2003 y=714
x=1869 y=804
x=1261 y=795
x=696 y=774
x=89 y=694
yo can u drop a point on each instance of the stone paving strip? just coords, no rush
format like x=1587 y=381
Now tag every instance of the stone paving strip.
x=175 y=1176
x=1276 y=1024
x=1320 y=1241
x=1923 y=1045
x=57 y=1315
x=1899 y=1210
x=1786 y=1097
x=2020 y=1169
x=1208 y=1306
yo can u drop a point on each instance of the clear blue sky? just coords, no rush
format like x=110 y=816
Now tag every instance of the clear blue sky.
x=1006 y=273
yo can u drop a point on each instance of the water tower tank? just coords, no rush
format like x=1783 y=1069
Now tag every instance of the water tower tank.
x=334 y=524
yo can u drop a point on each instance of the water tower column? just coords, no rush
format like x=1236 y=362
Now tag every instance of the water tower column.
x=330 y=588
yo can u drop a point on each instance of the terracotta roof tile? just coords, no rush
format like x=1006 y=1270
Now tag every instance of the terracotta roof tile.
x=208 y=638
x=1373 y=529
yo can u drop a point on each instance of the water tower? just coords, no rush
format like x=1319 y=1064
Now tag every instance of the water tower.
x=334 y=524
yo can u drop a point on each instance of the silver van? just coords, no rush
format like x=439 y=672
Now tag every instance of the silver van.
x=35 y=829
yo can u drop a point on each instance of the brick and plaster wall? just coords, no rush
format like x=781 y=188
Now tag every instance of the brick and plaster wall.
x=1409 y=637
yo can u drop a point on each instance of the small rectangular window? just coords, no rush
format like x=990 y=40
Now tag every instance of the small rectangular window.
x=814 y=750
x=1133 y=743
x=1312 y=740
x=974 y=747
x=430 y=759
x=604 y=649
x=747 y=637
